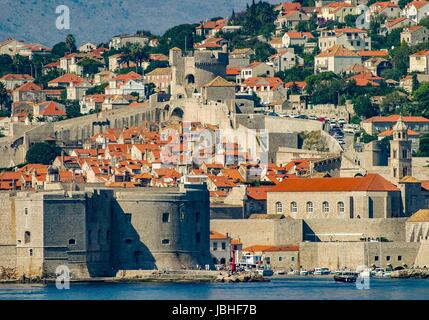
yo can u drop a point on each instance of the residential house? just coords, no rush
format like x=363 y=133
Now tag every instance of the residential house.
x=70 y=63
x=10 y=47
x=336 y=11
x=210 y=28
x=414 y=35
x=366 y=79
x=124 y=84
x=276 y=43
x=211 y=44
x=103 y=77
x=398 y=23
x=350 y=38
x=49 y=111
x=220 y=249
x=160 y=77
x=240 y=57
x=290 y=19
x=121 y=41
x=419 y=62
x=219 y=90
x=65 y=81
x=31 y=49
x=416 y=10
x=336 y=59
x=255 y=69
x=296 y=38
x=87 y=47
x=268 y=89
x=285 y=60
x=114 y=102
x=76 y=90
x=90 y=103
x=388 y=9
x=12 y=81
x=28 y=92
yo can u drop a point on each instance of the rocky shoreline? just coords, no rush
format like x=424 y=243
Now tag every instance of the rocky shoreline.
x=155 y=276
x=410 y=273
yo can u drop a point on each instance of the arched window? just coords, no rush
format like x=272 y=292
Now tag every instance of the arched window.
x=27 y=237
x=340 y=207
x=293 y=207
x=309 y=207
x=325 y=207
x=279 y=207
x=222 y=261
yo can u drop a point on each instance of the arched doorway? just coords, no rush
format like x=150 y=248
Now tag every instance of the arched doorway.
x=190 y=79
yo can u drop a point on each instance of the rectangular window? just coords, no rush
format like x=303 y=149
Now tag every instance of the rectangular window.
x=165 y=241
x=387 y=258
x=376 y=258
x=223 y=246
x=165 y=217
x=198 y=237
x=214 y=246
x=399 y=258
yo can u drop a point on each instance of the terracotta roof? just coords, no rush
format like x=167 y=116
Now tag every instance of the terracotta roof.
x=258 y=82
x=337 y=51
x=420 y=216
x=51 y=109
x=370 y=182
x=413 y=28
x=349 y=30
x=11 y=76
x=300 y=35
x=258 y=193
x=417 y=4
x=393 y=22
x=421 y=53
x=127 y=77
x=366 y=79
x=395 y=118
x=67 y=78
x=233 y=71
x=214 y=235
x=373 y=53
x=160 y=72
x=219 y=82
x=301 y=84
x=29 y=86
x=265 y=248
x=389 y=133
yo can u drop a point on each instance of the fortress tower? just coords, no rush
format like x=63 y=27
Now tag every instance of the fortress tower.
x=400 y=152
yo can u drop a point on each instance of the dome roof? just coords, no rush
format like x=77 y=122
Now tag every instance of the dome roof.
x=400 y=125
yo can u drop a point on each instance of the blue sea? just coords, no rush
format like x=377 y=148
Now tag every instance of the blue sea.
x=290 y=288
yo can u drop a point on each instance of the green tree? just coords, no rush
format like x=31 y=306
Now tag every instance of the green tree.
x=70 y=43
x=400 y=58
x=421 y=99
x=415 y=84
x=90 y=66
x=98 y=89
x=423 y=146
x=263 y=51
x=364 y=107
x=5 y=100
x=139 y=54
x=350 y=20
x=393 y=103
x=72 y=109
x=43 y=153
x=60 y=49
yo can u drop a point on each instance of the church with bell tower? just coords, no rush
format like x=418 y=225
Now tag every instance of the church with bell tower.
x=400 y=152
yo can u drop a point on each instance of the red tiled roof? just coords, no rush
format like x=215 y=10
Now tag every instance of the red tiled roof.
x=29 y=86
x=214 y=235
x=370 y=182
x=265 y=248
x=127 y=77
x=258 y=193
x=373 y=53
x=389 y=133
x=11 y=76
x=67 y=78
x=395 y=118
x=300 y=35
x=52 y=109
x=257 y=82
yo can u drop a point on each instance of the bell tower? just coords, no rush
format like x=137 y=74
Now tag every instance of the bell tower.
x=400 y=152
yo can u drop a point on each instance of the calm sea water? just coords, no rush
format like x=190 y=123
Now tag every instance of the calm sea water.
x=293 y=288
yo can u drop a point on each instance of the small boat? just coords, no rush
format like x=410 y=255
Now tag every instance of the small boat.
x=303 y=273
x=348 y=277
x=265 y=272
x=321 y=271
x=280 y=272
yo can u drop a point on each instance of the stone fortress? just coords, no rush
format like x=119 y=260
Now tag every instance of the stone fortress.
x=97 y=232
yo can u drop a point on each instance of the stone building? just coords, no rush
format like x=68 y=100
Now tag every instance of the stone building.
x=371 y=196
x=192 y=70
x=97 y=232
x=400 y=151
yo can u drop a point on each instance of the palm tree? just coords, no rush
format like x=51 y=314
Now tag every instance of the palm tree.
x=139 y=54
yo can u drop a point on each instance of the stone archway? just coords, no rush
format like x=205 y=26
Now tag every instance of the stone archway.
x=190 y=79
x=177 y=114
